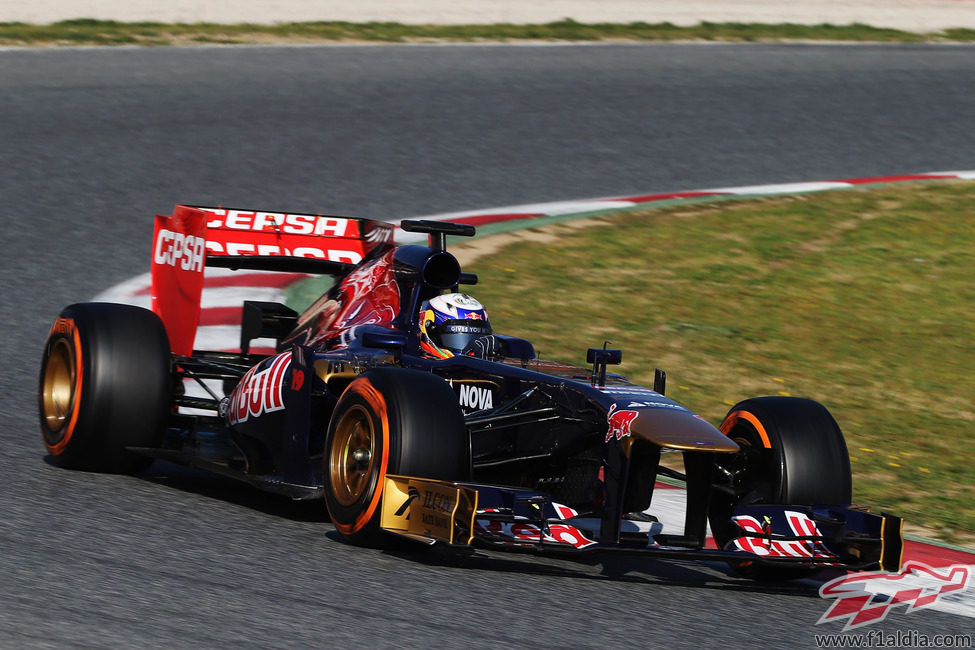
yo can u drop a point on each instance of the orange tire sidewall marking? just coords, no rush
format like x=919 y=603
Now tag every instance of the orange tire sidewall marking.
x=66 y=327
x=364 y=388
x=732 y=419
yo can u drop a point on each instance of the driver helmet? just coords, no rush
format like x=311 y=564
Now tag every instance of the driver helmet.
x=450 y=322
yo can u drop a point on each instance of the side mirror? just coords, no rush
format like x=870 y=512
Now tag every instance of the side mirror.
x=600 y=358
x=604 y=356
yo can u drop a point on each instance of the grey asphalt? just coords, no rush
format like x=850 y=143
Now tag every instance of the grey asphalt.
x=93 y=142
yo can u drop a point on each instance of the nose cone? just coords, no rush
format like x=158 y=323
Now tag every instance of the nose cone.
x=680 y=429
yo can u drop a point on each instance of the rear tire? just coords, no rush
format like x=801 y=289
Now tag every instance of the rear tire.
x=793 y=452
x=105 y=384
x=396 y=421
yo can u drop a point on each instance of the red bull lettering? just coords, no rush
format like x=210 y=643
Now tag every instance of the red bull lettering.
x=259 y=393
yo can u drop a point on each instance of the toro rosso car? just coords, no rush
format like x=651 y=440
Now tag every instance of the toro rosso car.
x=391 y=399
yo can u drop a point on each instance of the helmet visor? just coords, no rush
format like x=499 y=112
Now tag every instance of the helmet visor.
x=455 y=334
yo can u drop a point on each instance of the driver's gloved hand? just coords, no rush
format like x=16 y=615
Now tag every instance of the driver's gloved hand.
x=488 y=347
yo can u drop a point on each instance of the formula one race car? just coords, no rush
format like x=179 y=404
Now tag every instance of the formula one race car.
x=393 y=400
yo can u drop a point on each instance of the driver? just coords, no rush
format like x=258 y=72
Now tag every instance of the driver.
x=456 y=323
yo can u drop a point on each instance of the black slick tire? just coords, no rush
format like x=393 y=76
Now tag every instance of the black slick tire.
x=105 y=384
x=389 y=421
x=793 y=452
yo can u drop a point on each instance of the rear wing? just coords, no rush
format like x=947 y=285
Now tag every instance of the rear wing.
x=195 y=236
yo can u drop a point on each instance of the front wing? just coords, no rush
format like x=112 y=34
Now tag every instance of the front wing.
x=462 y=514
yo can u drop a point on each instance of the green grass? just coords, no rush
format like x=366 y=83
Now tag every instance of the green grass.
x=107 y=32
x=861 y=299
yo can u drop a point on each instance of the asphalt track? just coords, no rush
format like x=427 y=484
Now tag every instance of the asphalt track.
x=94 y=142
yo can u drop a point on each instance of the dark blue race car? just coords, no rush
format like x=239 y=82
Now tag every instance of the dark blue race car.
x=393 y=400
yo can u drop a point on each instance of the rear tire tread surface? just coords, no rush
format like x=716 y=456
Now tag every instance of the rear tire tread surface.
x=105 y=384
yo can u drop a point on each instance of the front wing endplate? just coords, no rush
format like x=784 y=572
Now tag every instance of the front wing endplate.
x=427 y=510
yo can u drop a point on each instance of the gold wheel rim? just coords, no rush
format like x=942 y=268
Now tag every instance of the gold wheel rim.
x=59 y=386
x=351 y=455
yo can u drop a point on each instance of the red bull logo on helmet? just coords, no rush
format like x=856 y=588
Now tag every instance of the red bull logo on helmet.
x=620 y=422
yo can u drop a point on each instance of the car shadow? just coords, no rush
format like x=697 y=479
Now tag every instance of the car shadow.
x=213 y=486
x=600 y=565
x=597 y=565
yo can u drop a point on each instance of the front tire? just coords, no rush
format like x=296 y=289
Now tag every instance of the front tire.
x=793 y=452
x=396 y=421
x=105 y=384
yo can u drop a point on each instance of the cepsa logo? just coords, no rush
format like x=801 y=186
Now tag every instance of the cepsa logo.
x=865 y=598
x=239 y=232
x=177 y=249
x=287 y=224
x=259 y=393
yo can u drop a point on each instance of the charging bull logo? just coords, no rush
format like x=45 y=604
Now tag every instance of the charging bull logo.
x=866 y=598
x=619 y=422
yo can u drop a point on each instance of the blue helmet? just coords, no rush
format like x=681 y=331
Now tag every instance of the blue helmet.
x=453 y=320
